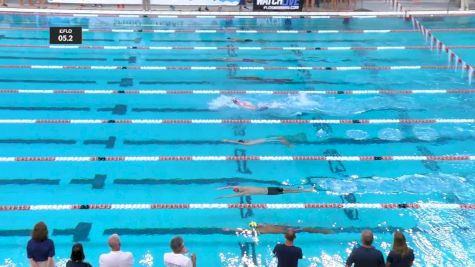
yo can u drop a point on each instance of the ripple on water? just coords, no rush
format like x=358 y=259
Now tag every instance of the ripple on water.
x=390 y=134
x=425 y=133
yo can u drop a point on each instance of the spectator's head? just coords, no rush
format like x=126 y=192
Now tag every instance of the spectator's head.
x=367 y=237
x=177 y=244
x=399 y=243
x=114 y=242
x=40 y=232
x=77 y=253
x=290 y=235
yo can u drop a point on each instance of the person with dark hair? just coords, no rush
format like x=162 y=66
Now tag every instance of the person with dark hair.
x=287 y=254
x=400 y=255
x=40 y=249
x=366 y=255
x=77 y=257
x=177 y=257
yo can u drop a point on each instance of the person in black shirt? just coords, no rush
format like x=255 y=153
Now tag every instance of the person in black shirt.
x=77 y=257
x=287 y=254
x=366 y=255
x=400 y=255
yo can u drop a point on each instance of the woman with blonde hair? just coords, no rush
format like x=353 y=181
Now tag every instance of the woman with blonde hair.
x=40 y=248
x=400 y=255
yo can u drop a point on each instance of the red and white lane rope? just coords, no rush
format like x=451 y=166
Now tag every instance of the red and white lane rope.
x=200 y=48
x=209 y=15
x=57 y=207
x=241 y=31
x=124 y=47
x=223 y=15
x=440 y=46
x=234 y=158
x=219 y=30
x=234 y=121
x=237 y=92
x=211 y=68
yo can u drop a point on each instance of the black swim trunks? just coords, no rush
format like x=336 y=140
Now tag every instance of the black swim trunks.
x=275 y=190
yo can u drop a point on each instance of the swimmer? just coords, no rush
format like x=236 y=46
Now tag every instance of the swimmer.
x=244 y=104
x=267 y=80
x=279 y=139
x=281 y=229
x=250 y=190
x=238 y=40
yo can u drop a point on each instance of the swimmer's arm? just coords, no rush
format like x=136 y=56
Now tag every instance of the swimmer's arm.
x=230 y=141
x=255 y=142
x=231 y=196
x=224 y=187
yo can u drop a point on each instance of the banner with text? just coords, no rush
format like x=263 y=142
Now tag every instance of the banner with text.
x=278 y=5
x=195 y=2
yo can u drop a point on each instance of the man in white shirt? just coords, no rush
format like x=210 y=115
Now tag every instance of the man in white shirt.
x=116 y=258
x=177 y=257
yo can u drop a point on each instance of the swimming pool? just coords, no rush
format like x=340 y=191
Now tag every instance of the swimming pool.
x=136 y=114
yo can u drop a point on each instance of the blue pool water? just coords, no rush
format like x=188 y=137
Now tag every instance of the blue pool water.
x=438 y=237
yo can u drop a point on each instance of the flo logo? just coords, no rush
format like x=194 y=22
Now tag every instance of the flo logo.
x=277 y=5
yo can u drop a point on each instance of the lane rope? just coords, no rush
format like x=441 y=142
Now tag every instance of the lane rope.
x=224 y=15
x=200 y=48
x=234 y=121
x=219 y=30
x=419 y=205
x=234 y=158
x=440 y=46
x=211 y=68
x=241 y=31
x=237 y=92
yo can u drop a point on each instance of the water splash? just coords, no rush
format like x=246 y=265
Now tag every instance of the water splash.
x=147 y=259
x=8 y=263
x=412 y=184
x=293 y=105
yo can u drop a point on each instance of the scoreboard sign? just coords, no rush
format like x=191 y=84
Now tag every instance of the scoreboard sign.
x=278 y=5
x=65 y=35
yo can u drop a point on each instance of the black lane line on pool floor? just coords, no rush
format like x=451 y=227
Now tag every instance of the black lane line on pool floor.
x=229 y=181
x=338 y=168
x=45 y=81
x=80 y=233
x=124 y=82
x=38 y=141
x=111 y=141
x=329 y=141
x=44 y=108
x=29 y=182
x=119 y=109
x=98 y=182
x=56 y=58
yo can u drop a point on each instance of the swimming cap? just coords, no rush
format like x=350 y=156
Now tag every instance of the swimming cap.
x=253 y=224
x=236 y=189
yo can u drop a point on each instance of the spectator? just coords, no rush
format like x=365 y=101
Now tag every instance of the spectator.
x=176 y=258
x=77 y=257
x=287 y=254
x=29 y=1
x=3 y=3
x=366 y=255
x=40 y=249
x=400 y=255
x=116 y=258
